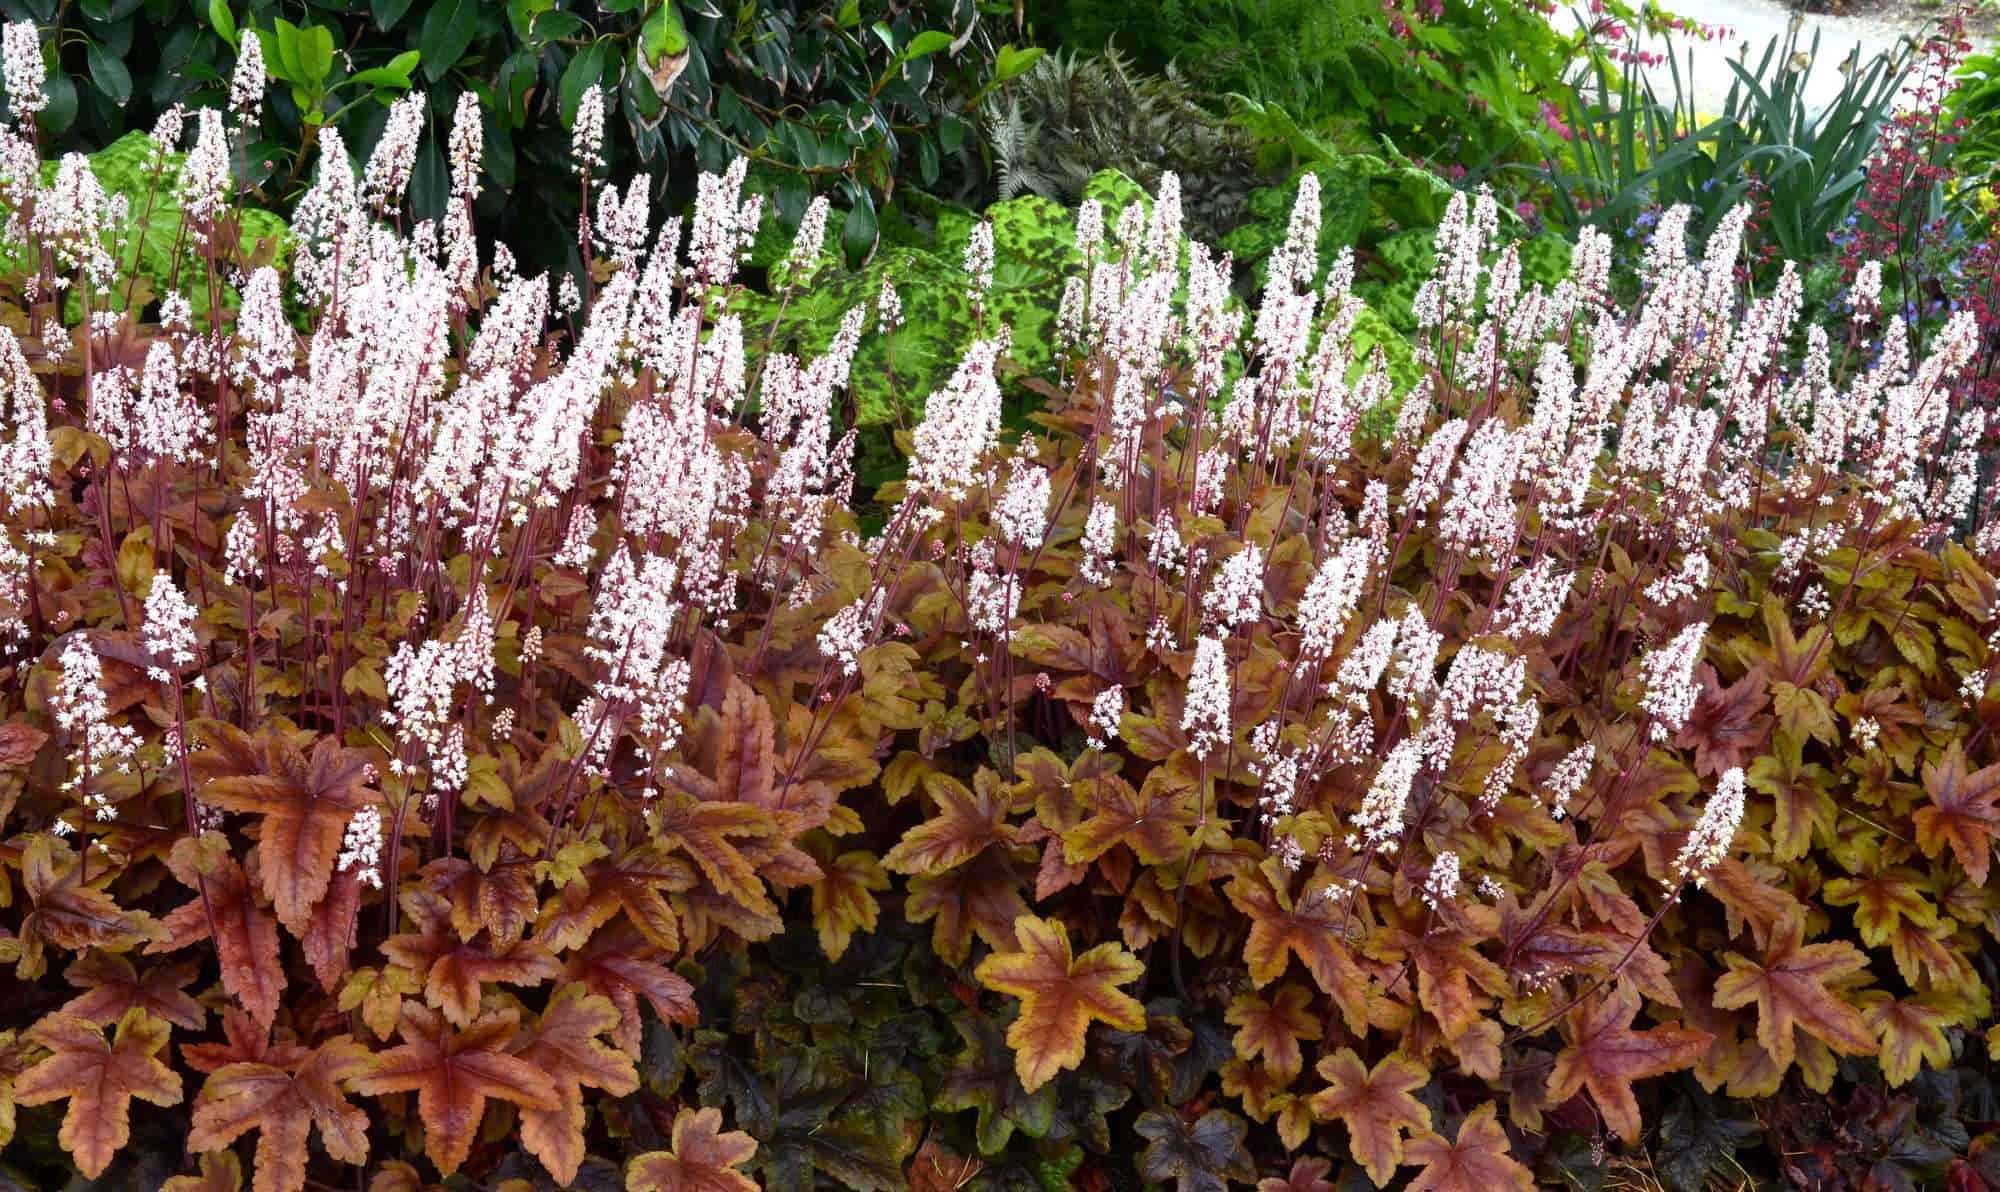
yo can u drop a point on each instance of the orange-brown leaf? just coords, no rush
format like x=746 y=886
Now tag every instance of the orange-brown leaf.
x=1964 y=812
x=967 y=821
x=304 y=805
x=1272 y=1027
x=70 y=914
x=246 y=938
x=19 y=743
x=843 y=900
x=565 y=1046
x=982 y=897
x=1728 y=723
x=1310 y=930
x=622 y=966
x=112 y=986
x=705 y=831
x=1912 y=1034
x=453 y=970
x=1375 y=1105
x=99 y=1078
x=454 y=1074
x=1061 y=995
x=1478 y=1162
x=283 y=1104
x=704 y=1158
x=1605 y=1055
x=1790 y=989
x=1152 y=822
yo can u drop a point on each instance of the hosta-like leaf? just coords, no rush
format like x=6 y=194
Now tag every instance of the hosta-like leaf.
x=1061 y=995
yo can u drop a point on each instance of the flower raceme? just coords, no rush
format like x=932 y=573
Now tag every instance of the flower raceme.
x=1389 y=708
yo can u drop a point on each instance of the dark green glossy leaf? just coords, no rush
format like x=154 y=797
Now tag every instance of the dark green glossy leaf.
x=222 y=20
x=388 y=12
x=109 y=74
x=447 y=30
x=857 y=236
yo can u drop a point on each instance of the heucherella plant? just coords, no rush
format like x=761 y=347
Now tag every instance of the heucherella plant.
x=475 y=692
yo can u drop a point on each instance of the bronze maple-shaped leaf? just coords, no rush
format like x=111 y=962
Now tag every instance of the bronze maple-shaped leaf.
x=1883 y=901
x=704 y=1158
x=454 y=1074
x=1728 y=724
x=244 y=1042
x=1272 y=1027
x=1605 y=1055
x=707 y=832
x=1964 y=812
x=1308 y=1174
x=1375 y=1105
x=620 y=964
x=502 y=900
x=99 y=1078
x=246 y=938
x=453 y=969
x=966 y=822
x=565 y=1046
x=1480 y=1161
x=283 y=1103
x=843 y=900
x=1912 y=1034
x=1310 y=928
x=303 y=804
x=635 y=883
x=1793 y=988
x=1801 y=798
x=983 y=897
x=1061 y=995
x=1153 y=821
x=112 y=986
x=68 y=913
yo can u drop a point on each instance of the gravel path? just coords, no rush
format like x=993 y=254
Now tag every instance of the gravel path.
x=1753 y=24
